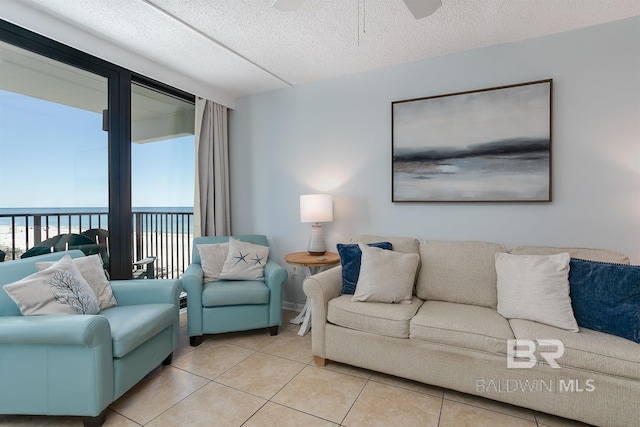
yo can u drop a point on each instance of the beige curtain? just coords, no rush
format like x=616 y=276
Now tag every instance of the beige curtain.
x=211 y=207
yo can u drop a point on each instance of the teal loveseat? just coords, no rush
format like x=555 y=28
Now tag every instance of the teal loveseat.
x=79 y=364
x=229 y=306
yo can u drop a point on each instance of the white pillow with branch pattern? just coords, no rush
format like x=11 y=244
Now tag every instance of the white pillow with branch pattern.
x=59 y=289
x=92 y=270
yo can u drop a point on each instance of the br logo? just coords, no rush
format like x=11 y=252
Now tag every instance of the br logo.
x=521 y=354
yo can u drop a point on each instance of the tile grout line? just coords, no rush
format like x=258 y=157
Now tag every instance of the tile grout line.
x=491 y=410
x=269 y=400
x=310 y=363
x=441 y=408
x=354 y=402
x=254 y=351
x=188 y=395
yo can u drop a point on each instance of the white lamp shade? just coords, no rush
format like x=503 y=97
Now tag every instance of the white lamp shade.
x=316 y=208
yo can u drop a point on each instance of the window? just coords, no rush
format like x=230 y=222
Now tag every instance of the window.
x=162 y=178
x=60 y=156
x=54 y=149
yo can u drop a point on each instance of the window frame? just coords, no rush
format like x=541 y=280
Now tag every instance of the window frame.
x=119 y=80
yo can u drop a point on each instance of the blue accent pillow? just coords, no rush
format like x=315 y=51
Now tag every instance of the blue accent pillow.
x=350 y=257
x=606 y=297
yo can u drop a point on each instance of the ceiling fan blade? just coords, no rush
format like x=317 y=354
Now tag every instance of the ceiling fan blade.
x=422 y=8
x=287 y=5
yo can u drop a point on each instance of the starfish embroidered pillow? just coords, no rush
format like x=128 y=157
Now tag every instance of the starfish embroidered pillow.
x=245 y=261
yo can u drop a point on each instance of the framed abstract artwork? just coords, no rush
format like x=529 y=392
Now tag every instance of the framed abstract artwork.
x=488 y=145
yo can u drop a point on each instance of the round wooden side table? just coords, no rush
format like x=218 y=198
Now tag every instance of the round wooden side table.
x=312 y=264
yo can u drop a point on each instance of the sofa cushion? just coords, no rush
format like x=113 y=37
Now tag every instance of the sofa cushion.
x=375 y=317
x=535 y=287
x=606 y=297
x=461 y=325
x=351 y=258
x=461 y=272
x=242 y=292
x=602 y=255
x=385 y=276
x=589 y=350
x=133 y=325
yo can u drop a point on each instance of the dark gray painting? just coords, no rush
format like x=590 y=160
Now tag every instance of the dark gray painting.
x=487 y=145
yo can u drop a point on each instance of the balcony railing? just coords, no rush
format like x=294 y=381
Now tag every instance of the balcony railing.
x=166 y=235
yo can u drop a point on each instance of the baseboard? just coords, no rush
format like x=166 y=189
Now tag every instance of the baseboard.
x=286 y=305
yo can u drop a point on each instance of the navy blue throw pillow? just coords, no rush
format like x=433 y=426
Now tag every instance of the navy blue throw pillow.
x=606 y=297
x=350 y=257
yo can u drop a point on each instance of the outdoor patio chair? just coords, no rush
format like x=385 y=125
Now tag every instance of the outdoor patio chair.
x=142 y=269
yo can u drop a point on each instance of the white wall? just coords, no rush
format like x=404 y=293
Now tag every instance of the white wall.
x=335 y=136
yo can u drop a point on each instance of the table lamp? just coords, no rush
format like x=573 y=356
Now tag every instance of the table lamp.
x=316 y=208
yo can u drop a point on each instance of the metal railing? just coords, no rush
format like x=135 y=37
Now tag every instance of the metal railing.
x=165 y=235
x=168 y=237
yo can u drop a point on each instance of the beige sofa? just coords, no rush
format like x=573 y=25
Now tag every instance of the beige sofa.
x=452 y=336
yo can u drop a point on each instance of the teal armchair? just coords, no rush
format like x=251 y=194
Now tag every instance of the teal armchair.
x=230 y=306
x=79 y=364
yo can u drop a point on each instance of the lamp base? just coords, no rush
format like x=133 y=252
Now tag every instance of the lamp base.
x=317 y=244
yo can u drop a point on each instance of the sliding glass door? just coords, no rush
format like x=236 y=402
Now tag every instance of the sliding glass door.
x=67 y=124
x=53 y=152
x=162 y=178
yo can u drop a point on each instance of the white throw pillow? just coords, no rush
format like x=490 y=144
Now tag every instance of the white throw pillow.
x=59 y=289
x=535 y=287
x=245 y=261
x=212 y=258
x=92 y=270
x=385 y=276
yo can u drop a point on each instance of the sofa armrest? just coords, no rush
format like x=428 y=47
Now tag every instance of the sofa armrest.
x=192 y=282
x=274 y=277
x=72 y=329
x=63 y=363
x=274 y=274
x=320 y=288
x=146 y=291
x=192 y=279
x=324 y=286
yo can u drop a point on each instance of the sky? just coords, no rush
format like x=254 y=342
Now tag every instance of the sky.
x=52 y=155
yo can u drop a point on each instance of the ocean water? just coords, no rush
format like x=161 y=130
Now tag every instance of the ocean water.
x=76 y=210
x=71 y=216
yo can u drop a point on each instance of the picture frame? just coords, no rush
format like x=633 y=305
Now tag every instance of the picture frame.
x=486 y=145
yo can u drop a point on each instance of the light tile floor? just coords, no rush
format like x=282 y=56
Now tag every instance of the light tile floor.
x=251 y=379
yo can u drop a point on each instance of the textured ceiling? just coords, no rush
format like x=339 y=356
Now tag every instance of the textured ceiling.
x=246 y=46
